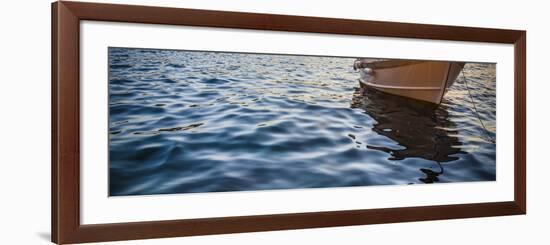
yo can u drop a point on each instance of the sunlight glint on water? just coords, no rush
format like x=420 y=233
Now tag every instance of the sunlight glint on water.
x=184 y=122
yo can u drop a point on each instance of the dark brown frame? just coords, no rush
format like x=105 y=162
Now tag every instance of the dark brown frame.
x=65 y=175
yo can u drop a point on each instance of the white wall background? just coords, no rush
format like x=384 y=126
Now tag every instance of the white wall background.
x=25 y=121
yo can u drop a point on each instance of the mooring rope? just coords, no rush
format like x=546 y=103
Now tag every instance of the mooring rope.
x=475 y=109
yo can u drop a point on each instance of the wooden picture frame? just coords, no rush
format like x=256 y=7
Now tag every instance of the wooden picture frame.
x=65 y=175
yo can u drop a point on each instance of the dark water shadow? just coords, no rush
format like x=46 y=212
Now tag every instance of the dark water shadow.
x=422 y=129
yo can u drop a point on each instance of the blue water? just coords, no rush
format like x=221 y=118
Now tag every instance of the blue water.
x=184 y=121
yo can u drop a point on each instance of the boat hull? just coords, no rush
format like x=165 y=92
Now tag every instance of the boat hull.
x=420 y=80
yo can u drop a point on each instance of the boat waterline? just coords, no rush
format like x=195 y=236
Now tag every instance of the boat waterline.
x=398 y=87
x=420 y=80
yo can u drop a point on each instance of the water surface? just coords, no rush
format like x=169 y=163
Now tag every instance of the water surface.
x=187 y=121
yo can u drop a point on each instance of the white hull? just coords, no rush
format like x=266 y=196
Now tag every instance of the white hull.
x=420 y=80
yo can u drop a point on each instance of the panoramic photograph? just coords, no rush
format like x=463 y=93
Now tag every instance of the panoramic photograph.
x=185 y=121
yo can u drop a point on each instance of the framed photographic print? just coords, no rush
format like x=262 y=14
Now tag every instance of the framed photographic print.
x=178 y=122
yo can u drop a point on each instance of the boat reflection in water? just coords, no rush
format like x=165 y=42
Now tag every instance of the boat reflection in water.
x=421 y=129
x=195 y=122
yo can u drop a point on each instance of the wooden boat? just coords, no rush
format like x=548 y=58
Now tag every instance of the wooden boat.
x=415 y=79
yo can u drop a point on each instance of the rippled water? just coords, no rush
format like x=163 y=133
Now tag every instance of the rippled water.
x=184 y=122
